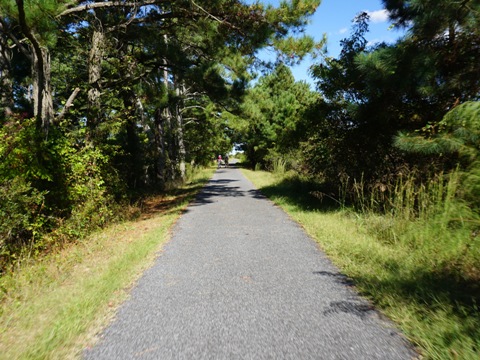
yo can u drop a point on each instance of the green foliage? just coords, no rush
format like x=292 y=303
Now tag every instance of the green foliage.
x=23 y=211
x=458 y=133
x=40 y=16
x=292 y=49
x=349 y=133
x=46 y=184
x=272 y=116
x=21 y=218
x=90 y=201
x=20 y=151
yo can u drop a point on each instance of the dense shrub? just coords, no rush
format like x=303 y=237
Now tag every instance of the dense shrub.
x=52 y=189
x=21 y=217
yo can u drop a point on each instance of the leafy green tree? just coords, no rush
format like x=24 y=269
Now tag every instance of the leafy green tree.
x=446 y=32
x=347 y=136
x=273 y=114
x=458 y=133
x=372 y=93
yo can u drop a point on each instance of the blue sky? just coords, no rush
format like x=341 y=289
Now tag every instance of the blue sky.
x=334 y=18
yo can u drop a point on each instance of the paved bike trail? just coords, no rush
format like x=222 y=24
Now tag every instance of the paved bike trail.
x=240 y=280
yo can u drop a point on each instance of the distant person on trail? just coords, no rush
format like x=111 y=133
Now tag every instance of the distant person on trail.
x=219 y=160
x=226 y=160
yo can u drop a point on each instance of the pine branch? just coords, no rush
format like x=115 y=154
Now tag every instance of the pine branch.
x=108 y=4
x=192 y=107
x=207 y=13
x=445 y=143
x=18 y=43
x=67 y=106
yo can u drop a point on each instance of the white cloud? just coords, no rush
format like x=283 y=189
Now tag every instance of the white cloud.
x=378 y=16
x=343 y=31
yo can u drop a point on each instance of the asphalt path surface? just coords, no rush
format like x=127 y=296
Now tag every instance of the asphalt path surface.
x=240 y=280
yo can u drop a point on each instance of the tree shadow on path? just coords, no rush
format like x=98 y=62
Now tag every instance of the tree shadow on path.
x=222 y=188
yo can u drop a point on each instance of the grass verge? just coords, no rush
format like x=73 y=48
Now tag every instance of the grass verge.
x=54 y=307
x=409 y=281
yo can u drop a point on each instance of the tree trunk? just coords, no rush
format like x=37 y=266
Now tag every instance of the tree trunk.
x=42 y=92
x=170 y=152
x=160 y=146
x=179 y=91
x=94 y=76
x=6 y=83
x=6 y=100
x=133 y=161
x=42 y=89
x=169 y=168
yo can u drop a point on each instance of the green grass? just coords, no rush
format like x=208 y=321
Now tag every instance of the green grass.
x=420 y=273
x=53 y=307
